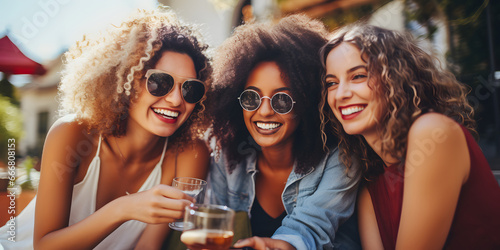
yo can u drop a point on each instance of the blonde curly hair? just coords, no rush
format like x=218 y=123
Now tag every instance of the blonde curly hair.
x=102 y=74
x=411 y=83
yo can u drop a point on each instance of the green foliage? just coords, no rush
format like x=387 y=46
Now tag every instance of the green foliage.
x=8 y=90
x=468 y=28
x=10 y=125
x=25 y=180
x=423 y=11
x=468 y=23
x=469 y=51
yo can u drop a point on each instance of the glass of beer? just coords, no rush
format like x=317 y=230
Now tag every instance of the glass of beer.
x=208 y=227
x=191 y=186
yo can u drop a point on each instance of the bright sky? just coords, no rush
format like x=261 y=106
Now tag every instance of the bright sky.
x=43 y=29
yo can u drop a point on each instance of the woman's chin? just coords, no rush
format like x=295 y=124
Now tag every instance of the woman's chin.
x=352 y=131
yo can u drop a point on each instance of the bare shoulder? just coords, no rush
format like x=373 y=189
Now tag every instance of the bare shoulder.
x=192 y=160
x=68 y=136
x=66 y=124
x=437 y=141
x=196 y=149
x=434 y=125
x=195 y=159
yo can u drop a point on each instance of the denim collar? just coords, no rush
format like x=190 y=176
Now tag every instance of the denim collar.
x=251 y=166
x=251 y=163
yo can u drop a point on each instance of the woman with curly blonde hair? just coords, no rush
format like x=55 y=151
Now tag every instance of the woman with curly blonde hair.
x=408 y=123
x=136 y=96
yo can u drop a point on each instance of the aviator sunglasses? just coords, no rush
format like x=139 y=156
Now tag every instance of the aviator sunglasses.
x=282 y=103
x=160 y=83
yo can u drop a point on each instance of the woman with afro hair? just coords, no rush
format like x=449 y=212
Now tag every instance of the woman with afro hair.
x=270 y=161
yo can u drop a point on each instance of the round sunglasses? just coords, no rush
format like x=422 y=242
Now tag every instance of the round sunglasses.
x=159 y=83
x=282 y=103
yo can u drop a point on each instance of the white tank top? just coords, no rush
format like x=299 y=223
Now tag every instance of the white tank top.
x=124 y=237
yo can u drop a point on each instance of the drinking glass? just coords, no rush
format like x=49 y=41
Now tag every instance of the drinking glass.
x=208 y=227
x=191 y=186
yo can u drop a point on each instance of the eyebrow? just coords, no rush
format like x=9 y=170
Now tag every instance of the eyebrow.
x=174 y=75
x=356 y=68
x=276 y=90
x=349 y=70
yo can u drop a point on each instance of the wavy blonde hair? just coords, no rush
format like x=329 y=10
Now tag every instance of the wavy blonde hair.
x=411 y=82
x=103 y=73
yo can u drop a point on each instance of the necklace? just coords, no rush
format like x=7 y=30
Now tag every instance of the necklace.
x=123 y=160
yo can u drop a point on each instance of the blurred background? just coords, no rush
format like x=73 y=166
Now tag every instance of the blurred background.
x=34 y=34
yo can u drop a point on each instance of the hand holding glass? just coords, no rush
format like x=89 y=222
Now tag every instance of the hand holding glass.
x=208 y=227
x=191 y=186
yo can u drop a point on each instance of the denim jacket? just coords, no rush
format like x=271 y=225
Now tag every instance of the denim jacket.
x=316 y=202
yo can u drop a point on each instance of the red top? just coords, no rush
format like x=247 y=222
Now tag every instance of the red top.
x=476 y=224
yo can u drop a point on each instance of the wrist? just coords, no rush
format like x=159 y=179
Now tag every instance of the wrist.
x=118 y=207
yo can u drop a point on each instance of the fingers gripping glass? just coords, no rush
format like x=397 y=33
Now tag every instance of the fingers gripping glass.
x=160 y=83
x=282 y=103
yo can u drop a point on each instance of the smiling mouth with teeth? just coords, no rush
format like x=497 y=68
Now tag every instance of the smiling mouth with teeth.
x=352 y=110
x=166 y=113
x=268 y=125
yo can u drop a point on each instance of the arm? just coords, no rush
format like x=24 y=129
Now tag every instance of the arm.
x=315 y=220
x=368 y=227
x=432 y=182
x=60 y=161
x=192 y=162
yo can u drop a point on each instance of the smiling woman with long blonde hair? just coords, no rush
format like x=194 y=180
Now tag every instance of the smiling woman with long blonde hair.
x=134 y=97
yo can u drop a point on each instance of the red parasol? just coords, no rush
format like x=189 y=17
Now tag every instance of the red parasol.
x=13 y=61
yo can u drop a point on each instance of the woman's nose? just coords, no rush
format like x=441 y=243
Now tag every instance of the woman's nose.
x=265 y=108
x=175 y=96
x=343 y=91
